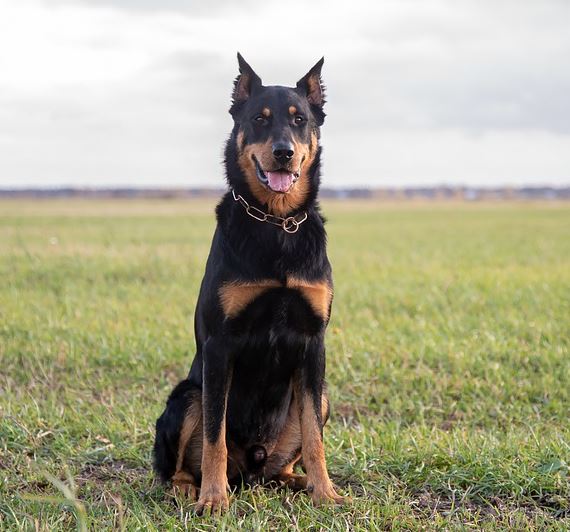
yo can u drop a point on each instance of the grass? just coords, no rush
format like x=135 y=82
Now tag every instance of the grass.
x=448 y=366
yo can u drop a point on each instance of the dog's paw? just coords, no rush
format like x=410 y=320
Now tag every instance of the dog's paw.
x=325 y=495
x=184 y=485
x=293 y=481
x=185 y=489
x=212 y=502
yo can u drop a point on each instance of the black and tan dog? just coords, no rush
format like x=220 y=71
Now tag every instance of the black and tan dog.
x=254 y=403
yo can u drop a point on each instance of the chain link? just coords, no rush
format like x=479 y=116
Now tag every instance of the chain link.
x=289 y=224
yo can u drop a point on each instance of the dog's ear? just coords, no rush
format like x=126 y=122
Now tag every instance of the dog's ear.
x=311 y=85
x=246 y=83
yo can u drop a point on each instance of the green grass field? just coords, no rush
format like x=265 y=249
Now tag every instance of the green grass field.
x=448 y=366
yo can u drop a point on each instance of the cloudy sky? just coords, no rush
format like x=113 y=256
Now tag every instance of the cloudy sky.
x=420 y=92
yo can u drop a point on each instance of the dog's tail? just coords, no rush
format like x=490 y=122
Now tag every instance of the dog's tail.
x=256 y=457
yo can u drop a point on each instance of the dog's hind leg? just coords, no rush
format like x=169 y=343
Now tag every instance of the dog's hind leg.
x=287 y=453
x=288 y=477
x=177 y=446
x=189 y=454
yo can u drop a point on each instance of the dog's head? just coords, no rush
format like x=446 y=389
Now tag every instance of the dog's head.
x=275 y=140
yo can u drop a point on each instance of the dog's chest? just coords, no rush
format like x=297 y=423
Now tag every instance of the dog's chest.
x=236 y=296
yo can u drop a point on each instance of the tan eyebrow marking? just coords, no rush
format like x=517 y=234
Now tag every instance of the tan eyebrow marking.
x=292 y=110
x=266 y=112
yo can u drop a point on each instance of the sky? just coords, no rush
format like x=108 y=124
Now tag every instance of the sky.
x=112 y=93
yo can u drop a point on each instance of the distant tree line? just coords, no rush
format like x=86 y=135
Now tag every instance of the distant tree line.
x=462 y=193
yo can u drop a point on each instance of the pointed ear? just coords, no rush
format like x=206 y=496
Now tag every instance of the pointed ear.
x=311 y=85
x=246 y=82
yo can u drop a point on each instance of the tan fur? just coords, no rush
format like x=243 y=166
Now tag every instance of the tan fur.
x=292 y=110
x=286 y=452
x=277 y=203
x=318 y=294
x=280 y=204
x=185 y=484
x=266 y=112
x=183 y=481
x=215 y=461
x=293 y=480
x=289 y=442
x=242 y=88
x=237 y=459
x=193 y=459
x=314 y=92
x=214 y=488
x=313 y=449
x=318 y=481
x=235 y=296
x=325 y=408
x=239 y=140
x=191 y=420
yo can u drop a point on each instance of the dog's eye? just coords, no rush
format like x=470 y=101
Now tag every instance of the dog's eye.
x=299 y=119
x=260 y=119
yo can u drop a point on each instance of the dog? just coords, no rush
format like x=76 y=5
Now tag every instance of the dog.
x=254 y=403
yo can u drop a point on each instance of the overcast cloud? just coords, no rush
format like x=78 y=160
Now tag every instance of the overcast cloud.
x=125 y=92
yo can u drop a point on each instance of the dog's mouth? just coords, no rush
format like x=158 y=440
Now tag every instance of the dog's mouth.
x=280 y=180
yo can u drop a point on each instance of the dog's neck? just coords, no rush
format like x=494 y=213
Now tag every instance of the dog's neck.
x=272 y=251
x=289 y=224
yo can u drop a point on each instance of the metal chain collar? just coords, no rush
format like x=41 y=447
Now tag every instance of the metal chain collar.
x=289 y=225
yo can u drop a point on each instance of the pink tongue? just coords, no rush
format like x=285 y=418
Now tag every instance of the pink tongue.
x=280 y=181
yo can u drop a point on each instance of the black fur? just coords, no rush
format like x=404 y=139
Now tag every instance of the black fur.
x=276 y=344
x=168 y=430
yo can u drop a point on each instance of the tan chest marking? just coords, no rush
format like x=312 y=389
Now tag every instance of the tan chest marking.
x=317 y=293
x=235 y=296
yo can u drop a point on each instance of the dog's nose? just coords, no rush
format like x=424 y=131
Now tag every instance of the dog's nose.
x=283 y=151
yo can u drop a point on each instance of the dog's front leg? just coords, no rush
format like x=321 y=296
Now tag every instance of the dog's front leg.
x=309 y=382
x=217 y=354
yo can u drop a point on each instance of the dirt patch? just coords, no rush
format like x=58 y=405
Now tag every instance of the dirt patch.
x=431 y=504
x=116 y=470
x=451 y=420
